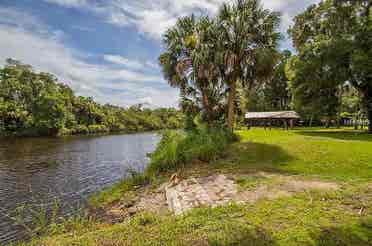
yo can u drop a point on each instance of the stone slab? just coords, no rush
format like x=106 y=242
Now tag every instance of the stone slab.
x=195 y=192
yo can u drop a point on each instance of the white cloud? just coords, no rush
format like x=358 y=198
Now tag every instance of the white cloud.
x=45 y=50
x=152 y=65
x=69 y=3
x=154 y=22
x=130 y=63
x=154 y=17
x=18 y=19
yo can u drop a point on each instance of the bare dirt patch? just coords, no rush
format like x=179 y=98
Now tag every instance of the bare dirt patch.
x=213 y=190
x=147 y=200
x=276 y=186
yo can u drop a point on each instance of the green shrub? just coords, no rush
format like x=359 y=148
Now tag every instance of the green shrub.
x=118 y=128
x=166 y=155
x=178 y=148
x=80 y=129
x=98 y=129
x=65 y=132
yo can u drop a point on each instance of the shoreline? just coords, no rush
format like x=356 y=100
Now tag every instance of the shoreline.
x=113 y=133
x=279 y=182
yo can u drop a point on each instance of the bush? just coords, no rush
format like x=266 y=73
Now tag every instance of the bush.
x=178 y=148
x=65 y=132
x=166 y=155
x=98 y=129
x=118 y=128
x=80 y=129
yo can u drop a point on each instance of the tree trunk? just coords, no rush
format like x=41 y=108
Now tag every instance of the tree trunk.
x=206 y=107
x=369 y=115
x=356 y=123
x=367 y=93
x=231 y=106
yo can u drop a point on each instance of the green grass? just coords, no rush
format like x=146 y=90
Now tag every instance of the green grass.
x=124 y=190
x=331 y=154
x=311 y=218
x=298 y=220
x=177 y=149
x=251 y=182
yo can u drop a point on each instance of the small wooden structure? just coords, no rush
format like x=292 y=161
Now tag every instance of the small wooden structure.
x=268 y=119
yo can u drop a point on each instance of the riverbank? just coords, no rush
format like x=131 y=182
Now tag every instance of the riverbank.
x=88 y=131
x=261 y=163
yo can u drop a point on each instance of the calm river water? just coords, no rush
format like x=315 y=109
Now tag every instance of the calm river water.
x=37 y=172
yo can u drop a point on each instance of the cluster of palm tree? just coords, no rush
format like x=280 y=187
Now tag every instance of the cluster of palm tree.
x=209 y=58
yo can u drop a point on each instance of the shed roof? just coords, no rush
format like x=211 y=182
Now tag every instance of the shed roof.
x=272 y=115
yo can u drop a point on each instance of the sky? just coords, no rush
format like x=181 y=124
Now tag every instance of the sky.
x=107 y=49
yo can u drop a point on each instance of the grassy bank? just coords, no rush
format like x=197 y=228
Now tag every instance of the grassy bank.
x=176 y=151
x=339 y=217
x=343 y=155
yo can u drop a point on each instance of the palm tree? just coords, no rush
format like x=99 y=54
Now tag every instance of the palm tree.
x=248 y=39
x=189 y=63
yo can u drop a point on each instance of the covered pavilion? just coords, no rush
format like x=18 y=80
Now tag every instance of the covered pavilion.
x=268 y=119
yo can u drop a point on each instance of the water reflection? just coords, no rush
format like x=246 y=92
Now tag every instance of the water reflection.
x=39 y=171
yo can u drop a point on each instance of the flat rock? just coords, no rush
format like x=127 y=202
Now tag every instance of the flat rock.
x=195 y=192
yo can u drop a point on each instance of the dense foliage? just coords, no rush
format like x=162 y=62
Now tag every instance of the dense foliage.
x=333 y=40
x=177 y=148
x=208 y=58
x=273 y=93
x=33 y=103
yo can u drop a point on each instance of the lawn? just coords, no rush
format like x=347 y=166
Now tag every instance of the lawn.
x=338 y=217
x=343 y=155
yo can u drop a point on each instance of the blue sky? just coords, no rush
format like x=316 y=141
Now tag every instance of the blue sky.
x=106 y=49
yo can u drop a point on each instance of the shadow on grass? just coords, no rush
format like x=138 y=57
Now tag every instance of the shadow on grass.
x=252 y=156
x=357 y=235
x=253 y=237
x=340 y=135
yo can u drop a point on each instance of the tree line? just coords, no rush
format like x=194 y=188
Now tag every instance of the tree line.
x=35 y=103
x=229 y=64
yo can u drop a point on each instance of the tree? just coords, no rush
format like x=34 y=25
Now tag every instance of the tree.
x=276 y=90
x=33 y=103
x=188 y=63
x=314 y=89
x=272 y=93
x=339 y=34
x=209 y=58
x=247 y=45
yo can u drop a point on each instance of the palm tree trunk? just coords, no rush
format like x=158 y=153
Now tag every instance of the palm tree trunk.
x=231 y=106
x=207 y=107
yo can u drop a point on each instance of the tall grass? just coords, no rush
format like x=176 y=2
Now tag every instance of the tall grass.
x=175 y=150
x=49 y=219
x=178 y=148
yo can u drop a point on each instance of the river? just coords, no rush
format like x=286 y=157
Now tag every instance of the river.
x=40 y=172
